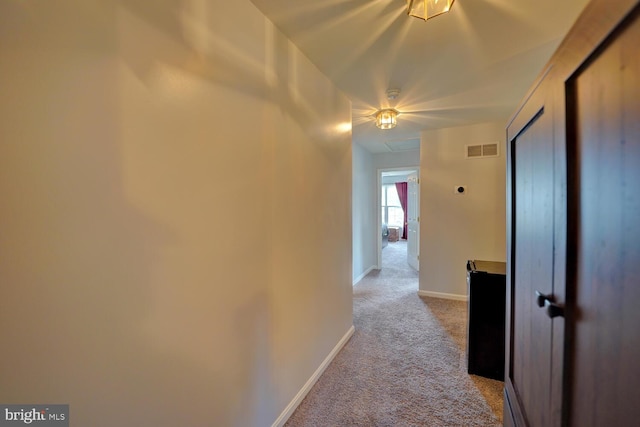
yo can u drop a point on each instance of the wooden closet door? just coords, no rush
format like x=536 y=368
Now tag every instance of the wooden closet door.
x=532 y=235
x=604 y=235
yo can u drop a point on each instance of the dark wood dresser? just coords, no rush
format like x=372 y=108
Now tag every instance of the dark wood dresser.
x=486 y=282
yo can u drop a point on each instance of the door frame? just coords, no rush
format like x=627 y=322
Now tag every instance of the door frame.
x=380 y=171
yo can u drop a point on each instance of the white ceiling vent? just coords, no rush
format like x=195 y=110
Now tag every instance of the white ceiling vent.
x=482 y=150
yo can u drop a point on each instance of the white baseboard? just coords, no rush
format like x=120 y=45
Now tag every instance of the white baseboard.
x=284 y=416
x=456 y=297
x=360 y=277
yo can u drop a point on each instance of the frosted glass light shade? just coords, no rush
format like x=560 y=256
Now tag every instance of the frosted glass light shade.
x=387 y=119
x=426 y=9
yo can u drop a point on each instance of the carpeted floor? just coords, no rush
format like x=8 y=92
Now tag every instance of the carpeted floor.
x=405 y=364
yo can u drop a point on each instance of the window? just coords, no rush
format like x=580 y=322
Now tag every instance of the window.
x=392 y=213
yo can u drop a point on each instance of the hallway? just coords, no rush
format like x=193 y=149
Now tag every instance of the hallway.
x=405 y=365
x=394 y=256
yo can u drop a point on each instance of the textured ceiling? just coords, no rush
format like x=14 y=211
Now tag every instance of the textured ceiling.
x=471 y=65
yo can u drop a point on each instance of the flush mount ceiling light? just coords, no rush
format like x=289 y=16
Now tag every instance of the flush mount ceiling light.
x=387 y=118
x=427 y=9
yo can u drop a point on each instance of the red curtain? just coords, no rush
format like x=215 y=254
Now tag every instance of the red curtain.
x=402 y=194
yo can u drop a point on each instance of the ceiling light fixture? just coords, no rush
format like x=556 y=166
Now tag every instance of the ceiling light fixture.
x=427 y=9
x=392 y=94
x=387 y=118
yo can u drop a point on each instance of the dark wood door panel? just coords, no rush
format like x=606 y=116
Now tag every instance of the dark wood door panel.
x=530 y=368
x=573 y=230
x=605 y=236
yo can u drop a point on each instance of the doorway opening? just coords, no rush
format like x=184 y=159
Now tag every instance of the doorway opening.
x=398 y=211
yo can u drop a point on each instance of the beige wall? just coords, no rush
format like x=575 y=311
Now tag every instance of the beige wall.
x=175 y=224
x=456 y=228
x=364 y=201
x=396 y=160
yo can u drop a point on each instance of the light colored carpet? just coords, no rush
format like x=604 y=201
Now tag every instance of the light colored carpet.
x=394 y=256
x=404 y=366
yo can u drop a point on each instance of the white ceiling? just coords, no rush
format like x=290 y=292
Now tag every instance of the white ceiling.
x=471 y=65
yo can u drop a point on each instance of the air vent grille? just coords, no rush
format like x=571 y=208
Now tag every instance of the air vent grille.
x=490 y=150
x=477 y=151
x=474 y=150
